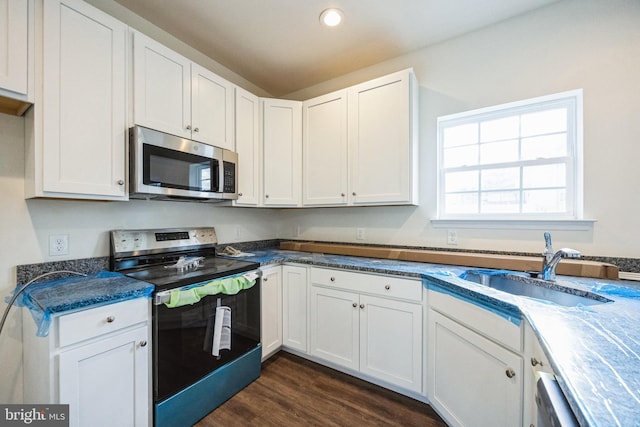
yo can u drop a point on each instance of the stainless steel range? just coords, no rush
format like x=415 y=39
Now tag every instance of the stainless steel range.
x=206 y=318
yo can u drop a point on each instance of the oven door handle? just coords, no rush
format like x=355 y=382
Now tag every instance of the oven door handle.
x=165 y=296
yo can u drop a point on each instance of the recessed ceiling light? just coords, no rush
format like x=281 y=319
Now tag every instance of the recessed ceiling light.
x=331 y=17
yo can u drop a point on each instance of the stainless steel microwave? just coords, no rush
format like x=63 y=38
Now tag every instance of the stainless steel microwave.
x=167 y=167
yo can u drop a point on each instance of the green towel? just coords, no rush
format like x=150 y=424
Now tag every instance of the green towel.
x=228 y=286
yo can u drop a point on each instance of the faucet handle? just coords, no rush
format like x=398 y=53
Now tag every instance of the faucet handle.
x=570 y=253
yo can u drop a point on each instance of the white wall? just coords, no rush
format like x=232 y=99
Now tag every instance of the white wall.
x=590 y=44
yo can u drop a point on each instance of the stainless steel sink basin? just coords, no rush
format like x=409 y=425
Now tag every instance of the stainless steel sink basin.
x=535 y=288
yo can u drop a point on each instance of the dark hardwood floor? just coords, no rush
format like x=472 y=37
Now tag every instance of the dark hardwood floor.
x=296 y=392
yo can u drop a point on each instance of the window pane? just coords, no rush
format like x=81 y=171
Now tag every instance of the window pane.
x=496 y=130
x=544 y=147
x=500 y=179
x=544 y=201
x=460 y=156
x=499 y=152
x=461 y=203
x=460 y=135
x=461 y=181
x=549 y=121
x=544 y=176
x=500 y=202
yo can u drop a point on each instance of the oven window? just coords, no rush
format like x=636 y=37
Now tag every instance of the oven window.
x=173 y=169
x=183 y=339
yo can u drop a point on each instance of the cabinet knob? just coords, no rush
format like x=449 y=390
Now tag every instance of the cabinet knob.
x=341 y=194
x=239 y=194
x=196 y=129
x=120 y=182
x=355 y=304
x=361 y=305
x=264 y=279
x=353 y=194
x=510 y=373
x=333 y=279
x=535 y=362
x=110 y=319
x=143 y=343
x=188 y=127
x=387 y=287
x=266 y=196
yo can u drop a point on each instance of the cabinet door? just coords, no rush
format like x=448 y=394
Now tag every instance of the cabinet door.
x=294 y=304
x=271 y=308
x=391 y=341
x=324 y=150
x=282 y=139
x=248 y=148
x=161 y=87
x=211 y=108
x=382 y=140
x=473 y=381
x=84 y=91
x=106 y=383
x=14 y=45
x=334 y=326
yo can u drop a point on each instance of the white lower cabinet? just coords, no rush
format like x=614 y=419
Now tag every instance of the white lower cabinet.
x=377 y=335
x=95 y=360
x=294 y=307
x=473 y=380
x=271 y=310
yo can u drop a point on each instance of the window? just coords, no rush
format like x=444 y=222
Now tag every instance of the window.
x=521 y=160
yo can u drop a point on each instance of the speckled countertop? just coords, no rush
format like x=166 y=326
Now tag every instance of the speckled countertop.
x=594 y=350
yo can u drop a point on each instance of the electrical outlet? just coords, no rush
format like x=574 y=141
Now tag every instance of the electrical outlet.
x=59 y=245
x=360 y=234
x=452 y=237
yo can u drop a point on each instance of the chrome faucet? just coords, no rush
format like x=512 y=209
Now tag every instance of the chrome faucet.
x=551 y=259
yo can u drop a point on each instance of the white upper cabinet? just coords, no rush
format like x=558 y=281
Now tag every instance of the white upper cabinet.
x=282 y=148
x=247 y=131
x=14 y=48
x=325 y=162
x=360 y=144
x=383 y=140
x=76 y=132
x=174 y=95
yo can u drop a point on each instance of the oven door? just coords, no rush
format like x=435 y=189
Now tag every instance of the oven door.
x=183 y=339
x=166 y=165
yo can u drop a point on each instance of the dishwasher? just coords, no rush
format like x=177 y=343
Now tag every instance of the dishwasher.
x=553 y=408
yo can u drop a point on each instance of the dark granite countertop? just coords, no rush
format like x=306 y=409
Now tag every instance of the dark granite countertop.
x=594 y=350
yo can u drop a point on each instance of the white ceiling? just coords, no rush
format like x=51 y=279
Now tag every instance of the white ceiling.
x=280 y=46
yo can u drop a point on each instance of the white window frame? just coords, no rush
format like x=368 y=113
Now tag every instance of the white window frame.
x=574 y=184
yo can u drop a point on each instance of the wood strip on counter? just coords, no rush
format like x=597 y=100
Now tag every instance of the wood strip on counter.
x=568 y=267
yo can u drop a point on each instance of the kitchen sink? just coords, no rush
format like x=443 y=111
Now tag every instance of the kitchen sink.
x=535 y=288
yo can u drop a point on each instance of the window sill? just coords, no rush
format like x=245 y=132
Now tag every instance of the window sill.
x=522 y=224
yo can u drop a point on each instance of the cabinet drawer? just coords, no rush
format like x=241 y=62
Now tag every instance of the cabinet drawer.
x=102 y=320
x=387 y=286
x=478 y=319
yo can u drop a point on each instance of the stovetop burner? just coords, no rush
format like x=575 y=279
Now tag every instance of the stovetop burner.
x=172 y=258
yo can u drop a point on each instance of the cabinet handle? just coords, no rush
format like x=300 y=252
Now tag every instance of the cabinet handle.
x=510 y=373
x=361 y=305
x=333 y=279
x=535 y=362
x=196 y=129
x=143 y=343
x=387 y=287
x=355 y=304
x=120 y=182
x=110 y=319
x=188 y=127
